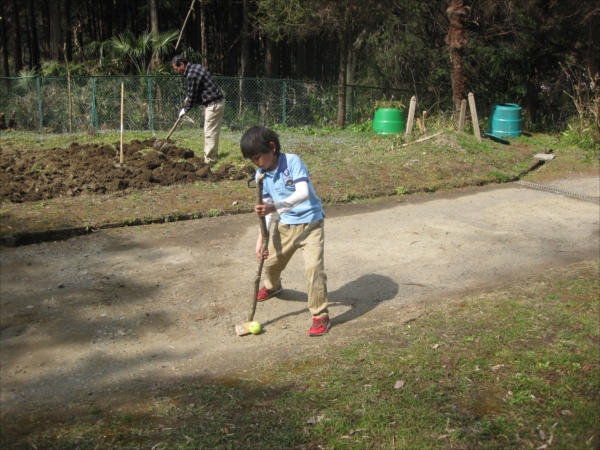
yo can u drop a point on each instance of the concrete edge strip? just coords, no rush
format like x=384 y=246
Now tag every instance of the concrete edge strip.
x=559 y=191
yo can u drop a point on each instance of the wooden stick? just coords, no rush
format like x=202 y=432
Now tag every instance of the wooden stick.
x=265 y=242
x=420 y=124
x=184 y=22
x=461 y=117
x=424 y=121
x=122 y=97
x=411 y=116
x=423 y=139
x=474 y=116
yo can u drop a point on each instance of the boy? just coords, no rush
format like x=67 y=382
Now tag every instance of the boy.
x=288 y=191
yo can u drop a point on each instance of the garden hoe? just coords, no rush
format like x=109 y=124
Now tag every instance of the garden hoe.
x=121 y=164
x=244 y=329
x=158 y=144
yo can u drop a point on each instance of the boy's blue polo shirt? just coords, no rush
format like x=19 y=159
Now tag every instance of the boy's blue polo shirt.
x=279 y=184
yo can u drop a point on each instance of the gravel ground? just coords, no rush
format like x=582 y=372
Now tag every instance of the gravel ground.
x=109 y=318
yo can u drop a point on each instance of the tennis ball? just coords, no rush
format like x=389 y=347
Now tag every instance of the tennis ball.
x=254 y=327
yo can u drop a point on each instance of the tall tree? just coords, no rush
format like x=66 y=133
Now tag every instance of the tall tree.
x=154 y=16
x=45 y=43
x=56 y=35
x=203 y=30
x=154 y=28
x=4 y=42
x=35 y=49
x=68 y=31
x=17 y=44
x=245 y=56
x=342 y=19
x=457 y=44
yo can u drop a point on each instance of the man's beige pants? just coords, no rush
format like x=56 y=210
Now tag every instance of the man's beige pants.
x=213 y=119
x=285 y=240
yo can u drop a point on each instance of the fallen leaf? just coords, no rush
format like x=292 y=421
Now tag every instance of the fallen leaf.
x=436 y=346
x=443 y=436
x=566 y=412
x=351 y=432
x=542 y=447
x=314 y=420
x=510 y=393
x=497 y=366
x=542 y=435
x=399 y=384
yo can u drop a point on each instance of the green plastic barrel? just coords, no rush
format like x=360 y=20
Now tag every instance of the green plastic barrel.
x=505 y=120
x=389 y=121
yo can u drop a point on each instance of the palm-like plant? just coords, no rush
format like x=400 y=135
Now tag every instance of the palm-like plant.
x=141 y=51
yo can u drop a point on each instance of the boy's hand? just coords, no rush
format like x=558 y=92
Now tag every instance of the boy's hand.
x=264 y=210
x=265 y=255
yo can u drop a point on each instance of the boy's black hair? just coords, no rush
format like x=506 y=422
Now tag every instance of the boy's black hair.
x=178 y=60
x=256 y=140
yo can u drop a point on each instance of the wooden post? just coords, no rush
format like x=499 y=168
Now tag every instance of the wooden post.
x=411 y=116
x=424 y=121
x=420 y=124
x=69 y=89
x=474 y=116
x=461 y=117
x=122 y=104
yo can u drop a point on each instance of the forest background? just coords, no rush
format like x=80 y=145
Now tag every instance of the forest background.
x=541 y=54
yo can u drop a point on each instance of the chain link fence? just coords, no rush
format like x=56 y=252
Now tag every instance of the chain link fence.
x=60 y=105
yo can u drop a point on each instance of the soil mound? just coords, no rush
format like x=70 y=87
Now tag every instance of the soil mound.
x=39 y=175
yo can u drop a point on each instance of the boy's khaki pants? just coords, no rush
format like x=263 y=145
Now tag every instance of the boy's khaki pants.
x=213 y=119
x=284 y=242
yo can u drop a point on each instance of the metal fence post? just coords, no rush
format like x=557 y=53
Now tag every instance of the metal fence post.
x=93 y=117
x=284 y=101
x=352 y=104
x=39 y=96
x=150 y=107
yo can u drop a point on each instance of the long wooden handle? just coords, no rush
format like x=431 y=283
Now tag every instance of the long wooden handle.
x=173 y=129
x=265 y=243
x=170 y=132
x=122 y=96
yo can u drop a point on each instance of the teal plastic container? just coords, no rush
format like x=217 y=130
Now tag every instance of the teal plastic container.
x=505 y=120
x=389 y=121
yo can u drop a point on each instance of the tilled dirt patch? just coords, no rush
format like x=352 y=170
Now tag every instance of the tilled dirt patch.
x=40 y=175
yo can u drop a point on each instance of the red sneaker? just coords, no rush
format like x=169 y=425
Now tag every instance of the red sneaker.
x=320 y=326
x=265 y=294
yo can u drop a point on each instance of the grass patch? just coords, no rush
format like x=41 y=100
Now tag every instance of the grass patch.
x=345 y=165
x=515 y=368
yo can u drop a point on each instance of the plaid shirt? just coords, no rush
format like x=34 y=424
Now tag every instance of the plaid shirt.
x=201 y=87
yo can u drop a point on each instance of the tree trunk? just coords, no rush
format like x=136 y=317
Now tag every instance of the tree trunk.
x=55 y=30
x=35 y=49
x=269 y=58
x=203 y=33
x=457 y=45
x=341 y=118
x=154 y=16
x=245 y=57
x=68 y=31
x=45 y=29
x=531 y=95
x=18 y=55
x=5 y=67
x=154 y=28
x=301 y=60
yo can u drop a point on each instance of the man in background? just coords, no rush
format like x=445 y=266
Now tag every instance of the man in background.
x=203 y=90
